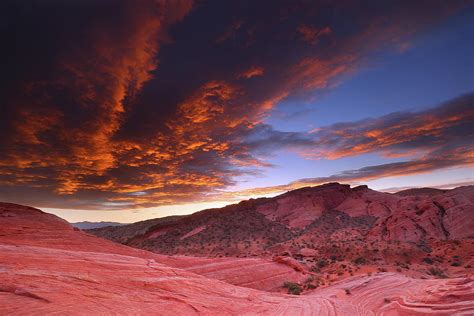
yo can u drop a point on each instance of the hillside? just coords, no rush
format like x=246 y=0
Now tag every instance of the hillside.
x=124 y=233
x=47 y=266
x=310 y=215
x=93 y=225
x=63 y=270
x=332 y=231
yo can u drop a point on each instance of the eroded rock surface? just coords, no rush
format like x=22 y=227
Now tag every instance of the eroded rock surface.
x=48 y=267
x=324 y=213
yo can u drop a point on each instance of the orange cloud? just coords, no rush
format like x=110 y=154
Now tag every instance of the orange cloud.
x=395 y=132
x=98 y=81
x=252 y=72
x=92 y=119
x=311 y=34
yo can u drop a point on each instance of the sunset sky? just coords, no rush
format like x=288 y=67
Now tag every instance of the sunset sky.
x=128 y=110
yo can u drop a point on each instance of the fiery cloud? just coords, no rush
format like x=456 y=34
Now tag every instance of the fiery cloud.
x=311 y=34
x=399 y=134
x=252 y=72
x=124 y=104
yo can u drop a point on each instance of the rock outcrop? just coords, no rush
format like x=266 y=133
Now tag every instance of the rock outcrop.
x=324 y=213
x=48 y=267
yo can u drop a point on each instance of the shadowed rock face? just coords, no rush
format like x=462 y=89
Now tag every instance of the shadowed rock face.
x=46 y=266
x=331 y=211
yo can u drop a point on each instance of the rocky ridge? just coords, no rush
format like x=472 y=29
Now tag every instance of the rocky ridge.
x=331 y=211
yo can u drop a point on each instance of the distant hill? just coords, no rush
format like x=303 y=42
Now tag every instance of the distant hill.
x=319 y=219
x=123 y=233
x=420 y=191
x=92 y=225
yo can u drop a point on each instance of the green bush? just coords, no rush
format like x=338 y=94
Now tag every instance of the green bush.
x=310 y=286
x=293 y=288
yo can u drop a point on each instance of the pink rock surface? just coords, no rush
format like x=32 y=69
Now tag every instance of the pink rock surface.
x=290 y=262
x=48 y=267
x=395 y=294
x=257 y=273
x=308 y=252
x=448 y=215
x=299 y=208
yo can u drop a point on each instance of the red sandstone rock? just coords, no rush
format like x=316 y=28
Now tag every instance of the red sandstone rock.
x=299 y=208
x=47 y=267
x=290 y=262
x=307 y=252
x=254 y=227
x=256 y=273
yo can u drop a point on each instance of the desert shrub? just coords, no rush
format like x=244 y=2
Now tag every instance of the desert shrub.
x=293 y=288
x=360 y=260
x=310 y=286
x=387 y=300
x=322 y=263
x=348 y=291
x=309 y=279
x=428 y=260
x=456 y=264
x=436 y=272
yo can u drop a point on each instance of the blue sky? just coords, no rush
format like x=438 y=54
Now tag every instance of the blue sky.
x=437 y=66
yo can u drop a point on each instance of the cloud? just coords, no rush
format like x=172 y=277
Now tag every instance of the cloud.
x=399 y=134
x=311 y=34
x=66 y=119
x=437 y=138
x=252 y=72
x=447 y=159
x=103 y=100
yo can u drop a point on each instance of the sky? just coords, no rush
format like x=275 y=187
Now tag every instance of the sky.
x=124 y=110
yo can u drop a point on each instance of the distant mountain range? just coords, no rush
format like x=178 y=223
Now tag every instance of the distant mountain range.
x=93 y=225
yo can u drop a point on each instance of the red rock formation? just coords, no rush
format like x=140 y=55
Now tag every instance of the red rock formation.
x=256 y=273
x=48 y=267
x=290 y=262
x=299 y=208
x=448 y=215
x=331 y=212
